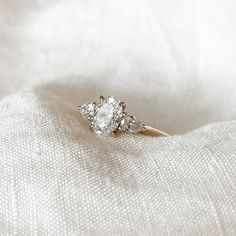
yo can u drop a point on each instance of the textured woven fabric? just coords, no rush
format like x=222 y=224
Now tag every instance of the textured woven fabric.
x=57 y=178
x=173 y=62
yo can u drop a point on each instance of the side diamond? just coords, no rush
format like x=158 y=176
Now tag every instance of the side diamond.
x=88 y=110
x=131 y=124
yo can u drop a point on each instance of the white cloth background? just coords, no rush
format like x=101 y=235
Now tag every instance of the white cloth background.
x=173 y=62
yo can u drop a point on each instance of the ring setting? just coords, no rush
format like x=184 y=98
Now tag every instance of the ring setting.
x=108 y=116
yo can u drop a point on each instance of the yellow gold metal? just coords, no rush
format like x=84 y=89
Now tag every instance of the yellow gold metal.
x=124 y=113
x=90 y=118
x=123 y=105
x=150 y=131
x=102 y=98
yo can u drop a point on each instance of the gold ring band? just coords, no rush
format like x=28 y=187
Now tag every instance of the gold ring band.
x=150 y=131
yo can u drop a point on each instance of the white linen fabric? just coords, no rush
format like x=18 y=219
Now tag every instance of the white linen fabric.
x=173 y=62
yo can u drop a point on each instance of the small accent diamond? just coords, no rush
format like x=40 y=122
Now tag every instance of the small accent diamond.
x=88 y=110
x=131 y=124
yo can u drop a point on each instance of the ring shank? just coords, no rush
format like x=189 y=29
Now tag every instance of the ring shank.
x=150 y=131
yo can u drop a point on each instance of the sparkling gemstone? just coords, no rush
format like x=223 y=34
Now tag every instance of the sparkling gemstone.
x=108 y=116
x=131 y=124
x=88 y=110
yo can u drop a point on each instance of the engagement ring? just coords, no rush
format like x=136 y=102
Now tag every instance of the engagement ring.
x=108 y=116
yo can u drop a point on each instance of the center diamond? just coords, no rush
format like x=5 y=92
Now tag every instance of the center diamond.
x=108 y=116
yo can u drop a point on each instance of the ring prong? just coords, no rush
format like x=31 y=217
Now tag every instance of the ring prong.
x=90 y=118
x=124 y=114
x=123 y=105
x=91 y=127
x=79 y=108
x=102 y=98
x=116 y=132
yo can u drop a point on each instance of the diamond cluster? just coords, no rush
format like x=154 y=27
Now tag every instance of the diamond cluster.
x=108 y=116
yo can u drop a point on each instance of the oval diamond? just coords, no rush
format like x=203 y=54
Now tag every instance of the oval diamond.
x=108 y=116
